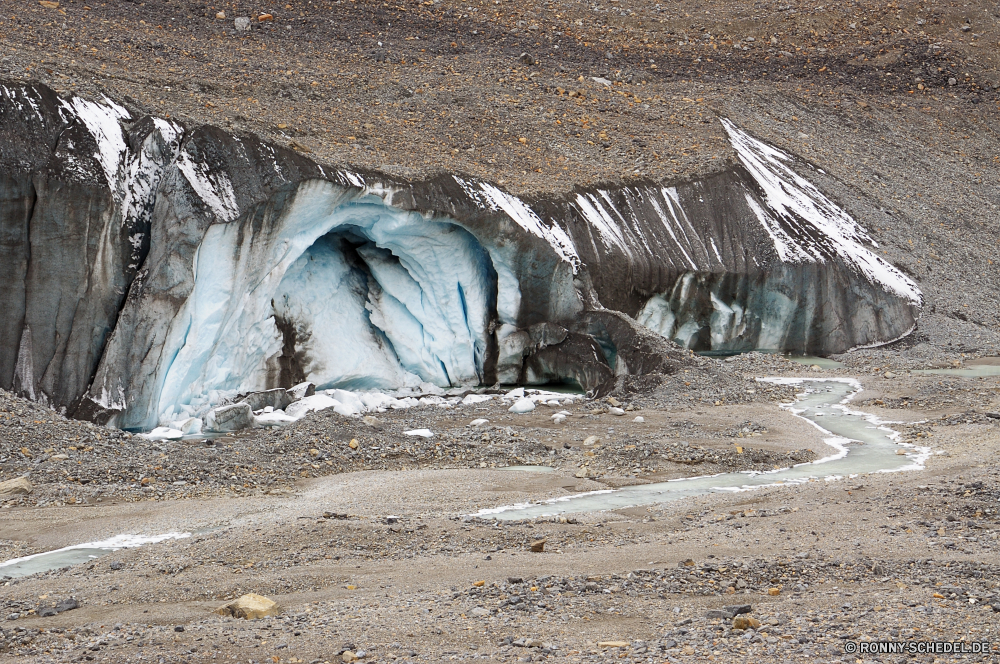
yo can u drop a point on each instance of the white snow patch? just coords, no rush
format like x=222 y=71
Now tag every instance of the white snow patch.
x=423 y=433
x=103 y=121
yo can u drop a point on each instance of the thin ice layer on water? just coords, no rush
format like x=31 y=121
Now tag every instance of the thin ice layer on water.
x=805 y=225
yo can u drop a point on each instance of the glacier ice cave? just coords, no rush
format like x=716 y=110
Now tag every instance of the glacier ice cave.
x=346 y=292
x=154 y=271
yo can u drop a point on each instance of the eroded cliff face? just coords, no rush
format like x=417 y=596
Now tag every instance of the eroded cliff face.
x=152 y=271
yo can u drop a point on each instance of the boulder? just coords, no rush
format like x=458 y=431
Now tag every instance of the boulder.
x=249 y=607
x=19 y=486
x=229 y=418
x=277 y=399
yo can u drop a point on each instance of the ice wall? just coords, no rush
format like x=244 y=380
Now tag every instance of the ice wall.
x=152 y=270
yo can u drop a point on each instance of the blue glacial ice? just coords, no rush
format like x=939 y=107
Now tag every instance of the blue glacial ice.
x=377 y=297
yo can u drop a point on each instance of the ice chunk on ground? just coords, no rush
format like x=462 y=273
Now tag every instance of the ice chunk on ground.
x=521 y=406
x=472 y=399
x=190 y=426
x=423 y=433
x=273 y=419
x=299 y=409
x=478 y=422
x=164 y=433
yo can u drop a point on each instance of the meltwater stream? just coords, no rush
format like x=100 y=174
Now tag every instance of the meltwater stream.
x=78 y=553
x=863 y=444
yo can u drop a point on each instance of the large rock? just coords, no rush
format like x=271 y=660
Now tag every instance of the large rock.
x=250 y=607
x=19 y=486
x=229 y=418
x=276 y=398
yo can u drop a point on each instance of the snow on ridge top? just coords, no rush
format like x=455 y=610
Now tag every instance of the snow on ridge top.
x=103 y=123
x=494 y=198
x=212 y=187
x=793 y=199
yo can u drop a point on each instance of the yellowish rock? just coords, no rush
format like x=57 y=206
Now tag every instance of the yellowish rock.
x=612 y=644
x=538 y=546
x=745 y=622
x=353 y=444
x=19 y=486
x=249 y=607
x=773 y=591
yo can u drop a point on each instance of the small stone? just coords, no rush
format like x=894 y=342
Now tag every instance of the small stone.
x=353 y=444
x=242 y=24
x=889 y=374
x=538 y=546
x=614 y=402
x=265 y=17
x=479 y=584
x=815 y=367
x=612 y=644
x=639 y=419
x=249 y=607
x=478 y=422
x=616 y=411
x=952 y=81
x=592 y=440
x=480 y=612
x=527 y=59
x=349 y=656
x=220 y=15
x=179 y=628
x=49 y=5
x=773 y=592
x=19 y=486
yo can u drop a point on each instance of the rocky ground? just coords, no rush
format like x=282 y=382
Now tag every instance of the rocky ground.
x=378 y=557
x=370 y=551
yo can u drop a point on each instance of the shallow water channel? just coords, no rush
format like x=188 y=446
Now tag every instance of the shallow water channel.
x=861 y=444
x=78 y=553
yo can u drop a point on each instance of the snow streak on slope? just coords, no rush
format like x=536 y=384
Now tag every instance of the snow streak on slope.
x=213 y=187
x=807 y=226
x=494 y=198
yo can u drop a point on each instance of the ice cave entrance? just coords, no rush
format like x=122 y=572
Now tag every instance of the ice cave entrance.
x=364 y=309
x=340 y=290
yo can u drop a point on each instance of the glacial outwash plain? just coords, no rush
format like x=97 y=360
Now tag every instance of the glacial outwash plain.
x=431 y=331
